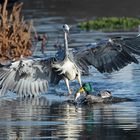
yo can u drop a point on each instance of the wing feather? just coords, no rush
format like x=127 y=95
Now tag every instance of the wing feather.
x=26 y=77
x=36 y=85
x=111 y=56
x=4 y=83
x=45 y=87
x=25 y=88
x=41 y=87
x=28 y=87
x=32 y=88
x=21 y=88
x=132 y=44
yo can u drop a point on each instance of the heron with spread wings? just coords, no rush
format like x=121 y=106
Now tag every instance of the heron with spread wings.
x=31 y=76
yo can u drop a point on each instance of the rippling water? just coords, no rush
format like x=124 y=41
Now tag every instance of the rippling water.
x=49 y=117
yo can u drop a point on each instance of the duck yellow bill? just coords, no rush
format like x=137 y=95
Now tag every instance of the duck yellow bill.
x=81 y=89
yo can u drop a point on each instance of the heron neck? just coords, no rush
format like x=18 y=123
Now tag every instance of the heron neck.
x=66 y=43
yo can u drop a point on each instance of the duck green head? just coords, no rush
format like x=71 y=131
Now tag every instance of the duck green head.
x=86 y=87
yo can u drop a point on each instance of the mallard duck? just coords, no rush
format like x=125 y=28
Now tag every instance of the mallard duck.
x=32 y=76
x=89 y=97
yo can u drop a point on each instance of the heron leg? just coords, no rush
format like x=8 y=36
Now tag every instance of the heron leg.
x=68 y=86
x=79 y=79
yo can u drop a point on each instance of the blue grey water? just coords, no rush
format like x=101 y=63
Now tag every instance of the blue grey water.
x=47 y=116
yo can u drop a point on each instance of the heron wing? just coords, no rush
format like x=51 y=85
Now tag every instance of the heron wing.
x=132 y=44
x=111 y=56
x=26 y=77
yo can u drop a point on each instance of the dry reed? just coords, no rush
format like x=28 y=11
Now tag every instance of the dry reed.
x=15 y=33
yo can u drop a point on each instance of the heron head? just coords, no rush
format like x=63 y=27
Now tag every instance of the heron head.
x=66 y=28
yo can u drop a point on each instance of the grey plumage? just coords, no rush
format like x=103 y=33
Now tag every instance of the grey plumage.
x=30 y=77
x=67 y=69
x=111 y=56
x=25 y=77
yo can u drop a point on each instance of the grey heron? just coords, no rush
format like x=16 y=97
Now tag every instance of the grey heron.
x=31 y=76
x=67 y=67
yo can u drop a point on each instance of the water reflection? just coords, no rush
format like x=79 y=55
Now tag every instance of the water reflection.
x=33 y=118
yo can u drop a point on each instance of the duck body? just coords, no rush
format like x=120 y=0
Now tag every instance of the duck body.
x=84 y=97
x=92 y=99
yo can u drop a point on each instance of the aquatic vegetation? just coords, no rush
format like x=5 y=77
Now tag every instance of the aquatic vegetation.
x=111 y=24
x=15 y=33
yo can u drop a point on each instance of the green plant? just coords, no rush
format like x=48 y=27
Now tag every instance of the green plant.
x=111 y=24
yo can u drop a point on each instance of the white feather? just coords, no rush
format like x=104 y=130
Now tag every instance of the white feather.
x=32 y=87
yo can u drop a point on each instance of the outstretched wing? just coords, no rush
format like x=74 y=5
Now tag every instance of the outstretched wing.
x=110 y=56
x=132 y=44
x=27 y=77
